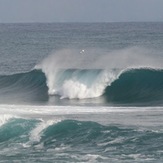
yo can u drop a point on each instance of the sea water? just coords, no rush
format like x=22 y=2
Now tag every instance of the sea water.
x=81 y=92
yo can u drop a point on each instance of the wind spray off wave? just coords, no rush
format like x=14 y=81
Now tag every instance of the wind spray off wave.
x=70 y=75
x=73 y=75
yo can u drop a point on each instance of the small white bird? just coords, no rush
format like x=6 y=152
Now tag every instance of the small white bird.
x=81 y=52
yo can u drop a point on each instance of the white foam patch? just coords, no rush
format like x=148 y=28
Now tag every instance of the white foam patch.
x=9 y=111
x=118 y=115
x=115 y=141
x=35 y=134
x=94 y=157
x=88 y=158
x=75 y=89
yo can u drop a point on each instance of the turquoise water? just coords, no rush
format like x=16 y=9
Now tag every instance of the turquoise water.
x=80 y=92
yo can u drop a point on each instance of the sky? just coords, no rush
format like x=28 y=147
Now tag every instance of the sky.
x=15 y=11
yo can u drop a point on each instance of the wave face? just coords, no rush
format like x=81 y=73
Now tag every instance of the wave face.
x=131 y=86
x=29 y=86
x=137 y=86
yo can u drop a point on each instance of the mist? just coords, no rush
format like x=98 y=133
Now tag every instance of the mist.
x=132 y=57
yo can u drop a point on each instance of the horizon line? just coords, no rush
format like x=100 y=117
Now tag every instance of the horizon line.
x=67 y=22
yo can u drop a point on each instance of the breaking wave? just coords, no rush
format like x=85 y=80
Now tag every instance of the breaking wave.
x=139 y=85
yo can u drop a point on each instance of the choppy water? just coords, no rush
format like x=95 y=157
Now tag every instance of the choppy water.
x=80 y=92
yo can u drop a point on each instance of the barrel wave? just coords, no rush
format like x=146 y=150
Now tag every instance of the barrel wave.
x=115 y=86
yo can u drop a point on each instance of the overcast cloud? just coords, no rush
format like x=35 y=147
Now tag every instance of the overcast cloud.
x=80 y=10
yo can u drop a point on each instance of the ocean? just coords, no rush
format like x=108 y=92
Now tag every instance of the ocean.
x=81 y=92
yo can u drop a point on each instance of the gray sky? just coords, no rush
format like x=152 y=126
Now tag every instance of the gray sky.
x=80 y=10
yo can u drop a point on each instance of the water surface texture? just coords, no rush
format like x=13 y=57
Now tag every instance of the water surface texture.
x=81 y=92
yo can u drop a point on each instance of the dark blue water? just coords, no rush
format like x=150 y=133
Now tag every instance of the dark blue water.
x=81 y=92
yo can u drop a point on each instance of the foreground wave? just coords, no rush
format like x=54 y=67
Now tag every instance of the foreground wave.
x=138 y=86
x=59 y=139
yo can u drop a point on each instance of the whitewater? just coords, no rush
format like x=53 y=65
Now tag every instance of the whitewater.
x=81 y=92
